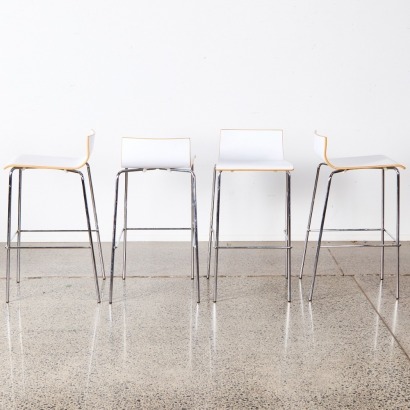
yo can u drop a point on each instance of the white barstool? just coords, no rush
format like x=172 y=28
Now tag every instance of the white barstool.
x=68 y=164
x=246 y=150
x=341 y=165
x=149 y=154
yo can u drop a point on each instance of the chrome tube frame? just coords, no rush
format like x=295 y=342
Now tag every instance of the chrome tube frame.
x=319 y=241
x=216 y=186
x=308 y=230
x=193 y=228
x=288 y=236
x=97 y=229
x=216 y=245
x=211 y=225
x=383 y=231
x=124 y=248
x=9 y=234
x=90 y=236
x=19 y=231
x=19 y=224
x=398 y=231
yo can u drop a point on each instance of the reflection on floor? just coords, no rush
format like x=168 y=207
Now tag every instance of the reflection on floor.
x=154 y=347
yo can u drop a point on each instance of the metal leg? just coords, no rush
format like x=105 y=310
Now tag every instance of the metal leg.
x=113 y=237
x=398 y=233
x=192 y=226
x=211 y=225
x=19 y=224
x=124 y=253
x=310 y=220
x=9 y=235
x=90 y=237
x=218 y=203
x=195 y=229
x=319 y=241
x=382 y=227
x=96 y=220
x=288 y=236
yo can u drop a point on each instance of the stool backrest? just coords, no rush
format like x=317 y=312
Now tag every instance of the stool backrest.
x=320 y=147
x=251 y=145
x=156 y=153
x=90 y=144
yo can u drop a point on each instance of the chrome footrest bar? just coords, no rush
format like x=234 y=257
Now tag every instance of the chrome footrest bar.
x=363 y=245
x=347 y=230
x=354 y=230
x=253 y=247
x=48 y=231
x=47 y=247
x=157 y=229
x=55 y=230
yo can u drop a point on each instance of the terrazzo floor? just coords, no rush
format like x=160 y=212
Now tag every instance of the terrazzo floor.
x=155 y=348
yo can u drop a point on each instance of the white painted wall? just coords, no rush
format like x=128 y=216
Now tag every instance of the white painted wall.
x=188 y=68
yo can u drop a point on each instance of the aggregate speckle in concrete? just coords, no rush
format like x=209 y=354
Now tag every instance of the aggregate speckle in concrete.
x=156 y=348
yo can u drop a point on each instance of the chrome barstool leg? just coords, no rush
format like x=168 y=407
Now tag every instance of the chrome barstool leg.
x=218 y=203
x=288 y=236
x=97 y=229
x=195 y=227
x=192 y=226
x=319 y=241
x=113 y=238
x=398 y=234
x=124 y=250
x=211 y=226
x=310 y=220
x=382 y=227
x=90 y=236
x=9 y=235
x=19 y=224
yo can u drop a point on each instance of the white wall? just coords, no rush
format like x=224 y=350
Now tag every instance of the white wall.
x=188 y=68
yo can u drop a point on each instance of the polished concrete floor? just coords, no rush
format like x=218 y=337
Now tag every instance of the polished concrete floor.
x=155 y=348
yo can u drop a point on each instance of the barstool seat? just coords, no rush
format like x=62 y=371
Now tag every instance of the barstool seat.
x=363 y=162
x=46 y=162
x=241 y=165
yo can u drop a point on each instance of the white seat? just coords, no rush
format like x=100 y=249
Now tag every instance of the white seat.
x=141 y=154
x=366 y=162
x=247 y=150
x=352 y=163
x=232 y=165
x=52 y=162
x=73 y=165
x=340 y=165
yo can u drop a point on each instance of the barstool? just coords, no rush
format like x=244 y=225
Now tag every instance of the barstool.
x=248 y=150
x=68 y=164
x=149 y=154
x=341 y=165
